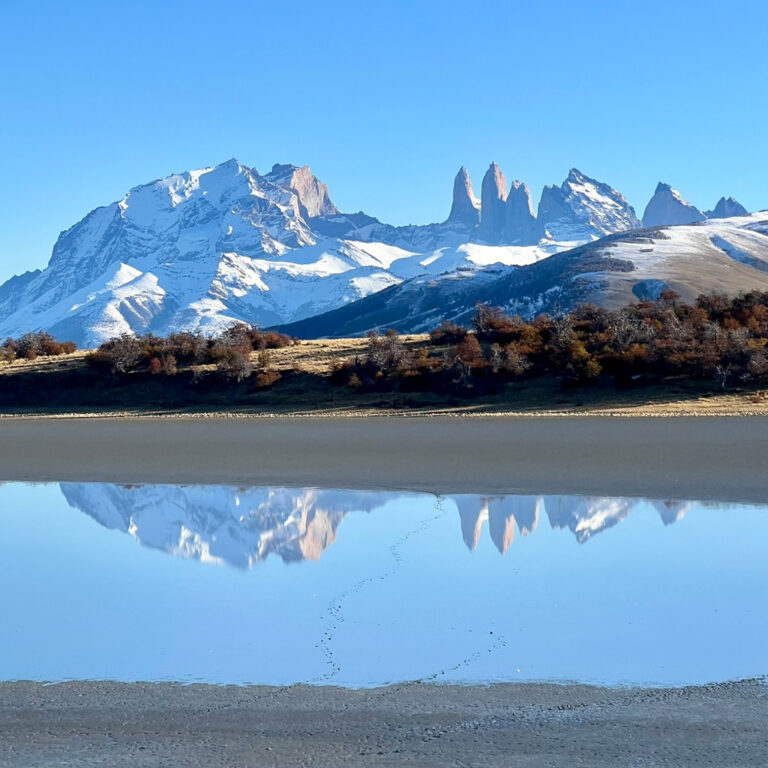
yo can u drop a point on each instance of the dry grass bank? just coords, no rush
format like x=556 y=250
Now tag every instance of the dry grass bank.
x=306 y=390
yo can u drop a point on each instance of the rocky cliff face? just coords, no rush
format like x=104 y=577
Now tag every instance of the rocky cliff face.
x=493 y=196
x=465 y=209
x=311 y=194
x=520 y=226
x=667 y=206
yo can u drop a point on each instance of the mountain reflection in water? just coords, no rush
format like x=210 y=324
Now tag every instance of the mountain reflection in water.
x=407 y=587
x=242 y=526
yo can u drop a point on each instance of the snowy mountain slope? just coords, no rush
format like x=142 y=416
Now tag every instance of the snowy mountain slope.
x=583 y=209
x=720 y=255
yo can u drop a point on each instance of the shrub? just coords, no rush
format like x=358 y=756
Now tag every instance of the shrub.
x=234 y=364
x=267 y=379
x=469 y=352
x=33 y=345
x=448 y=333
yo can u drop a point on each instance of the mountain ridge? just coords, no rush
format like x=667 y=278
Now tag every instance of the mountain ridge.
x=202 y=249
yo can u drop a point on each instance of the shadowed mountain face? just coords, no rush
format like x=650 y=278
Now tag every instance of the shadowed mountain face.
x=242 y=526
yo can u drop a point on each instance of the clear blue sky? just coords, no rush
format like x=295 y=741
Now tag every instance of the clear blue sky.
x=384 y=100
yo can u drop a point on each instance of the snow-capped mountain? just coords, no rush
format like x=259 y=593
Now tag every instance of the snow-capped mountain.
x=203 y=249
x=583 y=209
x=715 y=256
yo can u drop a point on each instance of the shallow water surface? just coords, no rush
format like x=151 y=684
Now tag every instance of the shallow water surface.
x=281 y=585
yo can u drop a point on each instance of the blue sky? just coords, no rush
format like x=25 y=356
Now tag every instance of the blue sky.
x=384 y=100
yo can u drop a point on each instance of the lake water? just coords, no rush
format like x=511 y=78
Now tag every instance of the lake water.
x=282 y=585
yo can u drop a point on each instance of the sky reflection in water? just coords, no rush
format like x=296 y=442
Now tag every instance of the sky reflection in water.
x=276 y=585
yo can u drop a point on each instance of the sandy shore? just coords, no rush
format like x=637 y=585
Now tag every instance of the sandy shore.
x=138 y=725
x=677 y=458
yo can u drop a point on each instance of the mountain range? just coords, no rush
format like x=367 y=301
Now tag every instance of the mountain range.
x=243 y=526
x=203 y=249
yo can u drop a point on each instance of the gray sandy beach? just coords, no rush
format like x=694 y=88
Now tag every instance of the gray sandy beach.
x=138 y=725
x=722 y=458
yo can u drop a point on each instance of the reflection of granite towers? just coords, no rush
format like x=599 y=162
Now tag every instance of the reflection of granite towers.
x=473 y=512
x=583 y=515
x=671 y=511
x=501 y=512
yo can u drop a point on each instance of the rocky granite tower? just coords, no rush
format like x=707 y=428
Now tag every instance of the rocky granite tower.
x=465 y=209
x=519 y=218
x=493 y=206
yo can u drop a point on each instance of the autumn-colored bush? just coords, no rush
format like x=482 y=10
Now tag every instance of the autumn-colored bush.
x=30 y=346
x=267 y=379
x=230 y=351
x=448 y=333
x=388 y=363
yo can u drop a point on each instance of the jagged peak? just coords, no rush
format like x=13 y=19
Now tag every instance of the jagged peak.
x=465 y=208
x=669 y=207
x=312 y=194
x=662 y=188
x=495 y=182
x=727 y=207
x=283 y=170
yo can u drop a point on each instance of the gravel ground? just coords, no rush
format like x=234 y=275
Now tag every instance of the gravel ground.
x=138 y=725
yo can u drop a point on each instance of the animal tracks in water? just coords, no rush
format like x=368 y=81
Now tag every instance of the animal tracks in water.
x=335 y=617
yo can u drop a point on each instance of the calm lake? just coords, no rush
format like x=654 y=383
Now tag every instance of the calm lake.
x=282 y=585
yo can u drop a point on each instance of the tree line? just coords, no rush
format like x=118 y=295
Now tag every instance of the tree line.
x=230 y=351
x=715 y=338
